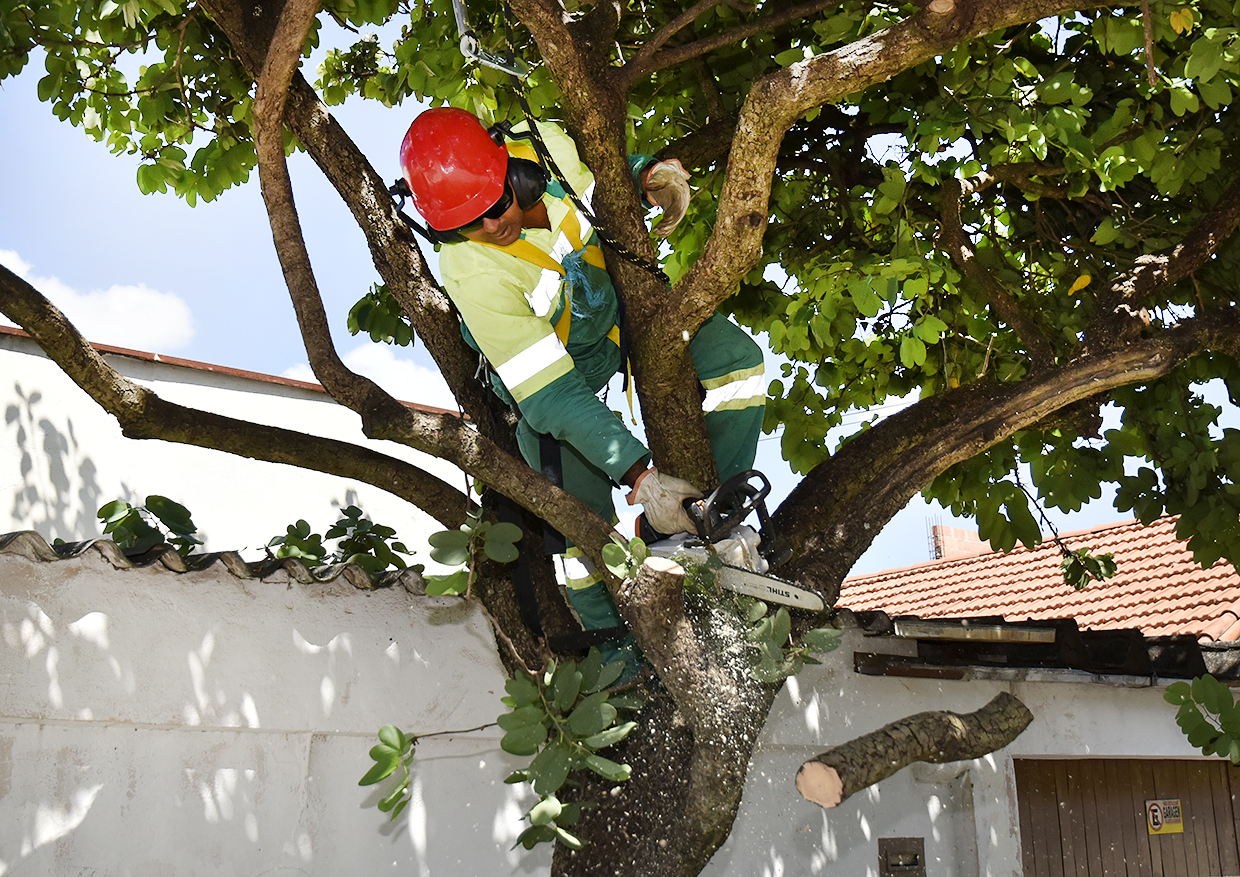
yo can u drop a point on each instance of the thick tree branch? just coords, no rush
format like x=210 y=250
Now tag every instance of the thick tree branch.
x=719 y=702
x=650 y=59
x=639 y=64
x=776 y=101
x=597 y=28
x=830 y=518
x=594 y=109
x=953 y=239
x=1117 y=318
x=934 y=737
x=355 y=391
x=142 y=414
x=698 y=681
x=392 y=245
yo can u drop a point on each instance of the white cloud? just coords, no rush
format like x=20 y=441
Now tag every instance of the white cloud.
x=14 y=263
x=133 y=316
x=402 y=377
x=300 y=372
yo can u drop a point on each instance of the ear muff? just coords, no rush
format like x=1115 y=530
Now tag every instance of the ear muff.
x=435 y=236
x=528 y=180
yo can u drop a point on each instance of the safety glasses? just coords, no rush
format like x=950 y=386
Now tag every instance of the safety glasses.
x=495 y=211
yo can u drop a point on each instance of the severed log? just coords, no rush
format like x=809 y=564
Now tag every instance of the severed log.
x=935 y=737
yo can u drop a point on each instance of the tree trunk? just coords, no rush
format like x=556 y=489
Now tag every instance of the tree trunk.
x=689 y=753
x=935 y=737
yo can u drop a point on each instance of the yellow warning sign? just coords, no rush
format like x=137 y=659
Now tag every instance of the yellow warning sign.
x=1164 y=816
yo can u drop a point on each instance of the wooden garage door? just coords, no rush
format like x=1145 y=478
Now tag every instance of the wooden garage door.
x=1086 y=818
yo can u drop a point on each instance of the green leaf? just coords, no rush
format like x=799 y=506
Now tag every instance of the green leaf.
x=592 y=715
x=534 y=835
x=781 y=627
x=867 y=301
x=609 y=674
x=569 y=840
x=929 y=328
x=545 y=811
x=504 y=531
x=394 y=797
x=1212 y=694
x=378 y=772
x=392 y=736
x=610 y=736
x=522 y=689
x=525 y=715
x=114 y=511
x=761 y=631
x=1205 y=60
x=500 y=551
x=608 y=769
x=616 y=559
x=627 y=701
x=565 y=686
x=524 y=740
x=549 y=769
x=449 y=547
x=386 y=761
x=399 y=807
x=1183 y=101
x=453 y=584
x=590 y=669
x=822 y=639
x=790 y=56
x=170 y=512
x=912 y=352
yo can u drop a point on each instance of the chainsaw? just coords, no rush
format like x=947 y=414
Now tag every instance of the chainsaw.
x=745 y=556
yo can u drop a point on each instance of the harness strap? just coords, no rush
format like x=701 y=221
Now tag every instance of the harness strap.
x=570 y=227
x=522 y=576
x=528 y=252
x=551 y=462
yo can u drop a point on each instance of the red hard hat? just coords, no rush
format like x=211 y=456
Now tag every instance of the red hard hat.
x=453 y=167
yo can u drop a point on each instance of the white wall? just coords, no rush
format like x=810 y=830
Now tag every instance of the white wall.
x=156 y=723
x=62 y=457
x=966 y=811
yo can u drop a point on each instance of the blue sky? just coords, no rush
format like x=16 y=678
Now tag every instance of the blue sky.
x=203 y=283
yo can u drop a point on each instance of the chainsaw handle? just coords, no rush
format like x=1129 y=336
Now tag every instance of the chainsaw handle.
x=729 y=504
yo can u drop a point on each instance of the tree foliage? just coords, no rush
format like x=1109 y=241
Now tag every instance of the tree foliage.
x=1018 y=217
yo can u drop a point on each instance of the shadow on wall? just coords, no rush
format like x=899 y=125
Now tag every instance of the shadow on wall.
x=179 y=724
x=57 y=497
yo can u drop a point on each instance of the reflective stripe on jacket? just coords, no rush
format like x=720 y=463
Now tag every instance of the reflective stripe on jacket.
x=512 y=299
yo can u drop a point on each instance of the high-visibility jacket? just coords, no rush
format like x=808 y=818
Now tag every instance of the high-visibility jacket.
x=543 y=311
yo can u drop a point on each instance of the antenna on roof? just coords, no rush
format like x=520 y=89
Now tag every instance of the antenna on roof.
x=934 y=537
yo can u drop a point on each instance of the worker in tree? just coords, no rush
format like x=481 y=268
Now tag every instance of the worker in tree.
x=523 y=266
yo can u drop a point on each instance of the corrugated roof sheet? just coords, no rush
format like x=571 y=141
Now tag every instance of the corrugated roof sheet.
x=1157 y=588
x=33 y=547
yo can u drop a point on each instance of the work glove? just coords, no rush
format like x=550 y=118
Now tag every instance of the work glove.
x=662 y=497
x=666 y=187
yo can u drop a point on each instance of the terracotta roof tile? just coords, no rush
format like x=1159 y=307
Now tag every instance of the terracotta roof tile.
x=1157 y=587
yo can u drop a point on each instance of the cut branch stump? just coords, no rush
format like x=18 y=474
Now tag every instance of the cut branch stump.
x=936 y=737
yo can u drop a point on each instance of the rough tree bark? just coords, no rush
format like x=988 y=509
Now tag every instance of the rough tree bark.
x=935 y=737
x=691 y=752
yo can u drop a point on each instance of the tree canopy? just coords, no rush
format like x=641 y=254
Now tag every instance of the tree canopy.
x=1016 y=213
